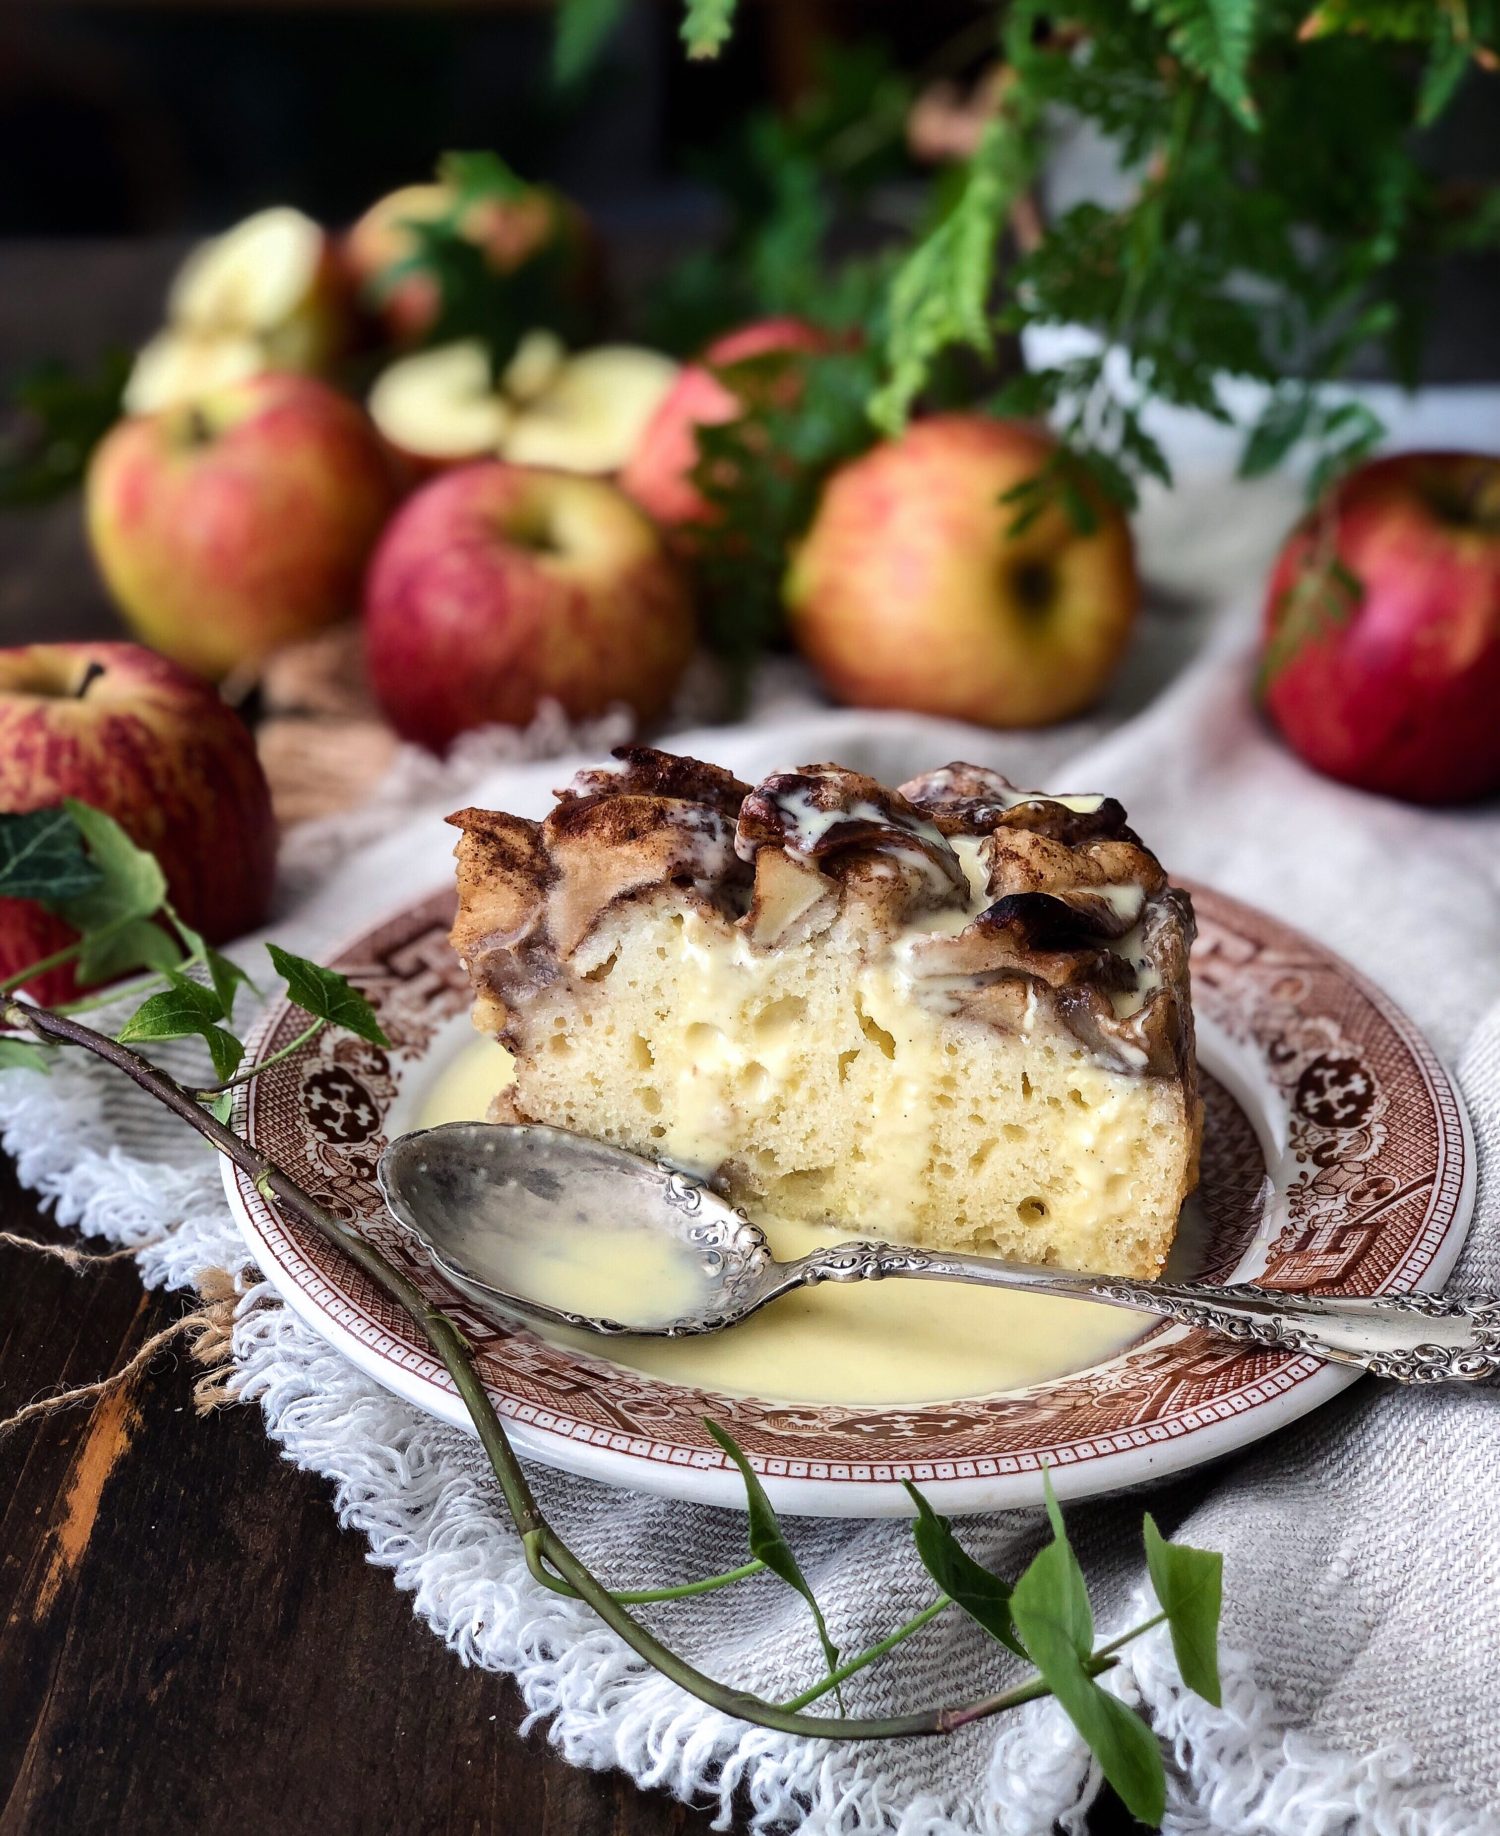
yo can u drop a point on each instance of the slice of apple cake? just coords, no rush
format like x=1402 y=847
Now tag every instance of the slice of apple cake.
x=955 y=1014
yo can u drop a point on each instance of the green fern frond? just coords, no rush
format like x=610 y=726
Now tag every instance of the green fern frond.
x=706 y=25
x=1405 y=20
x=1281 y=224
x=1215 y=39
x=583 y=29
x=940 y=295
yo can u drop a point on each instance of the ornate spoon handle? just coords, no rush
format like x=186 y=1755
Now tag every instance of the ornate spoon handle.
x=1410 y=1338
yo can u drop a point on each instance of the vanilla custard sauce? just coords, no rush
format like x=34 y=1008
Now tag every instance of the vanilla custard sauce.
x=875 y=1343
x=639 y=1278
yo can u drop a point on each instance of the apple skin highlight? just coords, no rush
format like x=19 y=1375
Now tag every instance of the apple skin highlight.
x=911 y=591
x=497 y=587
x=1402 y=695
x=228 y=528
x=155 y=747
x=658 y=474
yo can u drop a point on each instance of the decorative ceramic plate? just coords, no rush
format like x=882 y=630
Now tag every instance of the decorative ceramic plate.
x=1336 y=1156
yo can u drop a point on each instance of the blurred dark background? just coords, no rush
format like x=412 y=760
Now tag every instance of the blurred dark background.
x=129 y=119
x=149 y=125
x=170 y=118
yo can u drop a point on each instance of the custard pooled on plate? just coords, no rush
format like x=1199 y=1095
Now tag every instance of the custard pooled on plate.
x=955 y=1014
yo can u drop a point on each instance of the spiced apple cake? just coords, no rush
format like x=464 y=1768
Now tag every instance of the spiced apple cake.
x=955 y=1013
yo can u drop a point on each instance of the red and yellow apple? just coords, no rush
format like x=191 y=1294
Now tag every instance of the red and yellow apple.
x=153 y=746
x=509 y=230
x=913 y=589
x=1382 y=629
x=497 y=588
x=226 y=528
x=658 y=473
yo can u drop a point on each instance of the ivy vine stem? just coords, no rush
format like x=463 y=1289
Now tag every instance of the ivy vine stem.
x=272 y=1058
x=116 y=992
x=544 y=1548
x=651 y=1596
x=871 y=1653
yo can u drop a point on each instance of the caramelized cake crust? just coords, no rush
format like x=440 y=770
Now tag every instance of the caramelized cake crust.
x=956 y=1014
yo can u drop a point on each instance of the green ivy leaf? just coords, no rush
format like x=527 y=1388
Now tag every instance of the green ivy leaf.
x=1050 y=1608
x=226 y=976
x=223 y=972
x=767 y=1541
x=1124 y=1746
x=1189 y=1583
x=42 y=857
x=1065 y=1576
x=222 y=1106
x=982 y=1595
x=327 y=995
x=131 y=884
x=24 y=1055
x=183 y=1009
x=133 y=943
x=113 y=915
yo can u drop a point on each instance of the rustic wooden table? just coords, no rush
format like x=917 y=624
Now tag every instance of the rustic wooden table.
x=190 y=1645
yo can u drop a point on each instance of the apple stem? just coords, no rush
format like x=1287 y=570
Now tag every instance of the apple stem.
x=90 y=676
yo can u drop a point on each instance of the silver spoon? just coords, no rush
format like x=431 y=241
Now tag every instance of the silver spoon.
x=482 y=1198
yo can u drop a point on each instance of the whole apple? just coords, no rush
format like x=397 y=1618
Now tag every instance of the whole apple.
x=497 y=587
x=152 y=745
x=1382 y=629
x=229 y=526
x=658 y=474
x=913 y=588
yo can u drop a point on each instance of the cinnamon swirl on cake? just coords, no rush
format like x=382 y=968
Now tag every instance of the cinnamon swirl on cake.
x=955 y=1013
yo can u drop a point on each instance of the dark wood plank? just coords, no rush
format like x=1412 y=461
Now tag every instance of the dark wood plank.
x=190 y=1642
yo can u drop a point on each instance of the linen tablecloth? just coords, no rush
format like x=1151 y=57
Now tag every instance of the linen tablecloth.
x=1362 y=1577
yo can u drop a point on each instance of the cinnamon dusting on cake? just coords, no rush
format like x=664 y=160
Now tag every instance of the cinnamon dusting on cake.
x=1058 y=913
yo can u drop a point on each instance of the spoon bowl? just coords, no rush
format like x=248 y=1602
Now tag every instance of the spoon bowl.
x=510 y=1214
x=534 y=1221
